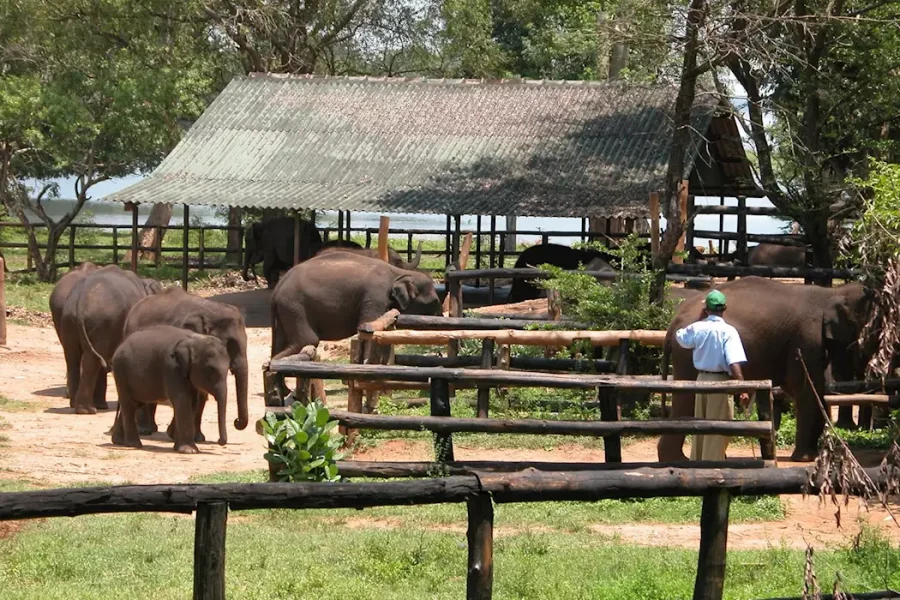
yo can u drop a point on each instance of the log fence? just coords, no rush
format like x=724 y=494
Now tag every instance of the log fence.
x=480 y=491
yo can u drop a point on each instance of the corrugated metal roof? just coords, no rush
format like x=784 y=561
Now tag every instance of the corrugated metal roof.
x=527 y=148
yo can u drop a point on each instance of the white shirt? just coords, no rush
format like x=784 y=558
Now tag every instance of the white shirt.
x=715 y=343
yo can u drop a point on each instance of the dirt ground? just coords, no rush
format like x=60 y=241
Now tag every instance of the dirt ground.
x=43 y=441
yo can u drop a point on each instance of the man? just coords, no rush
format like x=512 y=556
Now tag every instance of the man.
x=718 y=352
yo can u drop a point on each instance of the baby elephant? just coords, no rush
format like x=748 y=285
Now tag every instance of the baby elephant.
x=168 y=364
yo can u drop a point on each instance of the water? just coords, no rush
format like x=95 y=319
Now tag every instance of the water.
x=113 y=213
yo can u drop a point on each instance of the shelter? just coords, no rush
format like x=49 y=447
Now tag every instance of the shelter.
x=453 y=147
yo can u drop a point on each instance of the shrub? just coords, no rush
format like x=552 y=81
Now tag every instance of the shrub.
x=303 y=443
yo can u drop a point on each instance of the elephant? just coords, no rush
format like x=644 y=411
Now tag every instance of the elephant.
x=58 y=296
x=553 y=254
x=775 y=320
x=330 y=296
x=169 y=364
x=393 y=256
x=178 y=308
x=775 y=255
x=91 y=326
x=272 y=242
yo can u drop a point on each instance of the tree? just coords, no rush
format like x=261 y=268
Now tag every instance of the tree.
x=91 y=90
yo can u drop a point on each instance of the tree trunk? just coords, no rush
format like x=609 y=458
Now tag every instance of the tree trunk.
x=681 y=138
x=234 y=235
x=159 y=217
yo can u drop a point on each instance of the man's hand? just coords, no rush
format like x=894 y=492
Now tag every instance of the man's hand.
x=745 y=401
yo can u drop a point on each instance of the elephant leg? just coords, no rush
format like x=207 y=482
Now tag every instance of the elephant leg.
x=182 y=395
x=670 y=448
x=845 y=418
x=146 y=418
x=100 y=392
x=125 y=431
x=90 y=371
x=73 y=373
x=200 y=403
x=810 y=415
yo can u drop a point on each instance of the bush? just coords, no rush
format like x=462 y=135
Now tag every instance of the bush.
x=304 y=443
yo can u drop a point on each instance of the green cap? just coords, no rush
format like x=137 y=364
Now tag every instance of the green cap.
x=715 y=300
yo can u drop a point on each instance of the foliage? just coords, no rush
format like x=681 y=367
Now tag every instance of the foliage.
x=872 y=243
x=304 y=443
x=620 y=304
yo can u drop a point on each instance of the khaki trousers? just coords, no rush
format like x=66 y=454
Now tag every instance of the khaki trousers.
x=717 y=407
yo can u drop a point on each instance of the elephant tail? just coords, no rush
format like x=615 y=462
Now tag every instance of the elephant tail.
x=86 y=340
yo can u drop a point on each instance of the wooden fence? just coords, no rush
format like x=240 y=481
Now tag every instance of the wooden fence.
x=212 y=502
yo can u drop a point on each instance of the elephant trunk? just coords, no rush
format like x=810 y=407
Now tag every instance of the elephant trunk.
x=221 y=397
x=241 y=374
x=414 y=264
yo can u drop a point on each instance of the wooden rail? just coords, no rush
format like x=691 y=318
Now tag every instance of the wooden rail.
x=649 y=337
x=212 y=502
x=782 y=272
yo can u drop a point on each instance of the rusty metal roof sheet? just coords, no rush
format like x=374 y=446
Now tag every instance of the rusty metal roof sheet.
x=528 y=148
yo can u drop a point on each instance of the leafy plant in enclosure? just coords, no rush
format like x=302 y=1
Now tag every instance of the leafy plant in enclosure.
x=304 y=443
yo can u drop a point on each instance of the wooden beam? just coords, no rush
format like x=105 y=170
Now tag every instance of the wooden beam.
x=683 y=208
x=519 y=362
x=710 y=581
x=423 y=322
x=484 y=393
x=384 y=226
x=511 y=336
x=654 y=223
x=185 y=241
x=646 y=383
x=209 y=551
x=388 y=469
x=440 y=411
x=446 y=425
x=480 y=537
x=712 y=209
x=856 y=399
x=133 y=208
x=296 y=237
x=760 y=271
x=527 y=486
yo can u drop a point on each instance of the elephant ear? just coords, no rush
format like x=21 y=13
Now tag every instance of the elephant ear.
x=196 y=322
x=182 y=355
x=403 y=292
x=838 y=324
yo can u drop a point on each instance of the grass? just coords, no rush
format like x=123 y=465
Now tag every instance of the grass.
x=288 y=554
x=14 y=406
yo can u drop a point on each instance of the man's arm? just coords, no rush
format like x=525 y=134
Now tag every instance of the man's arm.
x=738 y=374
x=685 y=337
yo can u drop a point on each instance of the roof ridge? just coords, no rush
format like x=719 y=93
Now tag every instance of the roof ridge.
x=456 y=80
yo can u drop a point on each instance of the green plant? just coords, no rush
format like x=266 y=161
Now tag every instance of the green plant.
x=303 y=443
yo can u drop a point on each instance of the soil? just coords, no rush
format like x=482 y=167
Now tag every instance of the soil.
x=47 y=444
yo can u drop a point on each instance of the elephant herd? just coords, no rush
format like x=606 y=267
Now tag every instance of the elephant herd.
x=170 y=346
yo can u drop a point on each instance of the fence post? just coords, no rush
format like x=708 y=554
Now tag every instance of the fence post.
x=115 y=245
x=202 y=248
x=765 y=412
x=2 y=302
x=186 y=240
x=134 y=235
x=71 y=247
x=209 y=551
x=158 y=247
x=742 y=230
x=480 y=535
x=487 y=362
x=713 y=544
x=440 y=407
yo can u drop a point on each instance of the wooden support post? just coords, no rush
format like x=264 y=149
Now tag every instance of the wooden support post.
x=722 y=243
x=157 y=250
x=368 y=238
x=509 y=243
x=683 y=207
x=440 y=407
x=115 y=232
x=689 y=228
x=493 y=246
x=448 y=242
x=501 y=258
x=296 y=237
x=742 y=230
x=2 y=302
x=209 y=551
x=710 y=580
x=765 y=412
x=131 y=206
x=480 y=535
x=340 y=231
x=202 y=249
x=71 y=247
x=487 y=362
x=654 y=223
x=349 y=235
x=384 y=226
x=184 y=251
x=409 y=245
x=477 y=248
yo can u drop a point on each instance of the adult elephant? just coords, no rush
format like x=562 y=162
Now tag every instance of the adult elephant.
x=775 y=320
x=58 y=297
x=91 y=326
x=393 y=256
x=178 y=308
x=776 y=255
x=558 y=255
x=272 y=243
x=330 y=296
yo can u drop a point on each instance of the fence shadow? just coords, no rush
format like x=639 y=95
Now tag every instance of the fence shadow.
x=253 y=304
